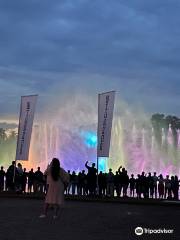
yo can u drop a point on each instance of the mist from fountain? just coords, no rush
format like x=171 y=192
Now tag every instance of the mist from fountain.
x=70 y=135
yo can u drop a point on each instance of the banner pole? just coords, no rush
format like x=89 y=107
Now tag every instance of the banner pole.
x=98 y=146
x=97 y=180
x=17 y=141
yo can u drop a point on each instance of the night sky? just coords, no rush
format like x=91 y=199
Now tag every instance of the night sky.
x=58 y=48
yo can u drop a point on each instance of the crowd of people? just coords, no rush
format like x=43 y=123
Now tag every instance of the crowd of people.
x=86 y=182
x=18 y=179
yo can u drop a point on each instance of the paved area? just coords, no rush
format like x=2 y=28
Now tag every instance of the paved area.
x=85 y=220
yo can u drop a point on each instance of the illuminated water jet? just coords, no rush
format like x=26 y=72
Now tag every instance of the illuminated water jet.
x=70 y=135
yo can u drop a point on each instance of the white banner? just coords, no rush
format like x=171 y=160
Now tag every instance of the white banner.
x=26 y=118
x=105 y=117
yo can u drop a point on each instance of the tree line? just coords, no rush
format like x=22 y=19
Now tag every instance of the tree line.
x=162 y=125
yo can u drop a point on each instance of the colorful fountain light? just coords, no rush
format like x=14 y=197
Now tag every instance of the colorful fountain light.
x=71 y=136
x=136 y=149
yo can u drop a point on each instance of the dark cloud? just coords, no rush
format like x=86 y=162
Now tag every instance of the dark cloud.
x=131 y=46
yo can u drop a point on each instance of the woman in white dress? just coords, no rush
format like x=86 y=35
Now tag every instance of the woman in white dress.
x=56 y=177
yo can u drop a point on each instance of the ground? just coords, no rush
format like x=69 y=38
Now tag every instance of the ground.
x=85 y=220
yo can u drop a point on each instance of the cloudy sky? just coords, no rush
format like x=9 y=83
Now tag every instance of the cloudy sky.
x=58 y=48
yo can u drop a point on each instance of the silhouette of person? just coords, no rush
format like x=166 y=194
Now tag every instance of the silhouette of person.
x=125 y=183
x=116 y=183
x=2 y=175
x=19 y=178
x=155 y=180
x=24 y=180
x=161 y=186
x=84 y=183
x=176 y=188
x=150 y=185
x=144 y=185
x=38 y=181
x=74 y=180
x=167 y=187
x=91 y=178
x=11 y=176
x=110 y=183
x=132 y=183
x=138 y=186
x=172 y=187
x=30 y=180
x=70 y=182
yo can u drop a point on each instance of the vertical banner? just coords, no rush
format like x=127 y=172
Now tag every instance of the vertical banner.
x=105 y=117
x=26 y=118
